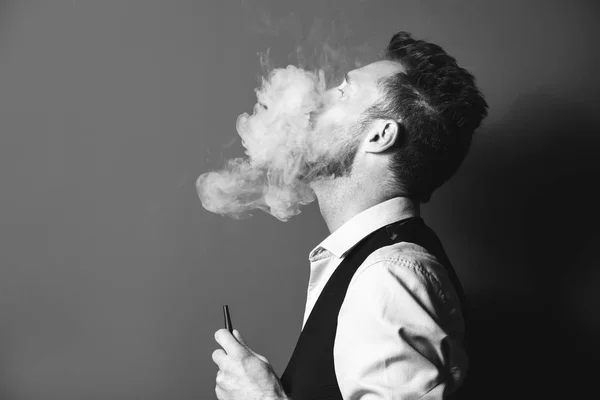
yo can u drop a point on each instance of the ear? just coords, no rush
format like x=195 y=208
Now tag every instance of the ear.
x=383 y=135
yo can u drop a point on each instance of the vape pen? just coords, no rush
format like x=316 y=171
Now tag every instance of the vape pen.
x=227 y=317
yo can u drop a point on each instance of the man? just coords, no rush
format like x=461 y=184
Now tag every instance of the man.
x=384 y=314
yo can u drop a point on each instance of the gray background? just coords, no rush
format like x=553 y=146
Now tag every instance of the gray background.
x=112 y=275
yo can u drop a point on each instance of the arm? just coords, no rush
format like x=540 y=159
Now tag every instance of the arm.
x=390 y=343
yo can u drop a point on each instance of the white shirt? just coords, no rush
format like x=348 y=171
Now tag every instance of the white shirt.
x=400 y=328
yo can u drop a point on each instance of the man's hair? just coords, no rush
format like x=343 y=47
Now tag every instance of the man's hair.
x=438 y=106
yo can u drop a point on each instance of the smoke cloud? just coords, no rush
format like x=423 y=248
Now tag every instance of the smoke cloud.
x=282 y=147
x=285 y=152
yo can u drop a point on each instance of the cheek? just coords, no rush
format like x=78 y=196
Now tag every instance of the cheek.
x=335 y=117
x=338 y=113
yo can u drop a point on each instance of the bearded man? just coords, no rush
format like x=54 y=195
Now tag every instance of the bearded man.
x=385 y=311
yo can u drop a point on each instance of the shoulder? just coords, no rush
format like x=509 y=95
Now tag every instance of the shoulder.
x=399 y=312
x=407 y=267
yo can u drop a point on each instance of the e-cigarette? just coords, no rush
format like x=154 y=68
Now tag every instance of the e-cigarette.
x=227 y=318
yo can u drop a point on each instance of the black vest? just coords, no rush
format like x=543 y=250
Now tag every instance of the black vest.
x=310 y=373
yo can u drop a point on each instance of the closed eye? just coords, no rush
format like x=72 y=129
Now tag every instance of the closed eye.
x=341 y=88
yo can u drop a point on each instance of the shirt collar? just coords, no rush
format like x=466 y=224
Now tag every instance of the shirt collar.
x=365 y=223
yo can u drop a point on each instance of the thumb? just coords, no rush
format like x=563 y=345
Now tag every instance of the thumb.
x=240 y=339
x=238 y=336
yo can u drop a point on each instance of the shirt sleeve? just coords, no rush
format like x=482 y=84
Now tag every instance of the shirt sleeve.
x=393 y=339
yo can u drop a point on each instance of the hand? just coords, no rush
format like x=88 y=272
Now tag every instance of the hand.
x=243 y=374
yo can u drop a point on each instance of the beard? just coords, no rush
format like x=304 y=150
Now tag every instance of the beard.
x=339 y=161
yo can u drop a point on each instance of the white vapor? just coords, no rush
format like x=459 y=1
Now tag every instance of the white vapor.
x=285 y=152
x=282 y=147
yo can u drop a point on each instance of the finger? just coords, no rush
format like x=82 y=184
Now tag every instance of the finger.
x=231 y=346
x=219 y=392
x=218 y=356
x=220 y=379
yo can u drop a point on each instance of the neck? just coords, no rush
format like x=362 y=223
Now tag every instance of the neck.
x=341 y=199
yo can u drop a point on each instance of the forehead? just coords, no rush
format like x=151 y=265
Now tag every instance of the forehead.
x=371 y=73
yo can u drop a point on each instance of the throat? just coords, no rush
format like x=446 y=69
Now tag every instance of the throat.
x=340 y=201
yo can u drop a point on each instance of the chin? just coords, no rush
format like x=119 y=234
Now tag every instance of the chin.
x=318 y=182
x=325 y=182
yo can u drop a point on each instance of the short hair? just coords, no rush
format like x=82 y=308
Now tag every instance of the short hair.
x=439 y=108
